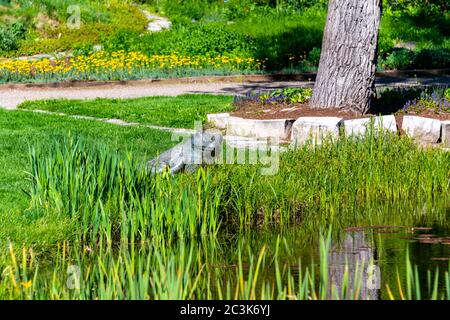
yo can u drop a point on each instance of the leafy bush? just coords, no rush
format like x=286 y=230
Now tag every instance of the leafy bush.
x=421 y=59
x=314 y=56
x=10 y=36
x=433 y=58
x=196 y=39
x=287 y=95
x=399 y=59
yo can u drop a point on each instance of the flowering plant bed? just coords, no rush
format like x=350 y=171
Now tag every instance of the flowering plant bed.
x=120 y=65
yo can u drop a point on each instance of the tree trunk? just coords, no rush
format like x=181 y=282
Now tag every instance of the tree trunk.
x=346 y=76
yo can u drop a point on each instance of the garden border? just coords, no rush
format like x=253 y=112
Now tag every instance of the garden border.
x=425 y=131
x=309 y=76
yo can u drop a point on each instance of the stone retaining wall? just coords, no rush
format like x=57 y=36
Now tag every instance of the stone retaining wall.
x=425 y=131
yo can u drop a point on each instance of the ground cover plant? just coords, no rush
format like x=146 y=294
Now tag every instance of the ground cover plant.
x=176 y=112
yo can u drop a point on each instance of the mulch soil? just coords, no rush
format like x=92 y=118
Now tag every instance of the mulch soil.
x=261 y=111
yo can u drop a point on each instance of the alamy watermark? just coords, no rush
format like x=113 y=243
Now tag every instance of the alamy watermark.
x=74 y=20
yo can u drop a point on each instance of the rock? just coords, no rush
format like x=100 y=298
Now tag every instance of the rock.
x=358 y=127
x=171 y=159
x=252 y=128
x=411 y=45
x=241 y=127
x=199 y=149
x=252 y=144
x=422 y=129
x=446 y=133
x=316 y=129
x=277 y=128
x=97 y=48
x=219 y=120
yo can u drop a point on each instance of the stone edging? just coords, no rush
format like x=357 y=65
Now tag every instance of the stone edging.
x=423 y=130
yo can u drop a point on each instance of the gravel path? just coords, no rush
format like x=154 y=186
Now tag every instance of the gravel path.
x=11 y=97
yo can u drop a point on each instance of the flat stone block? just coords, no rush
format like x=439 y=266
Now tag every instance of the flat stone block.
x=219 y=120
x=358 y=127
x=423 y=130
x=252 y=128
x=316 y=129
x=445 y=133
x=238 y=142
x=277 y=128
x=241 y=127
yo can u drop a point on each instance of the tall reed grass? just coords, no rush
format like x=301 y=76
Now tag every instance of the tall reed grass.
x=117 y=199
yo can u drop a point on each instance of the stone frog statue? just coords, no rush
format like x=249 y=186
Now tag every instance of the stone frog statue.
x=198 y=149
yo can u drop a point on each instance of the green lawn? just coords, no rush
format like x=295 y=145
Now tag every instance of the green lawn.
x=18 y=130
x=175 y=112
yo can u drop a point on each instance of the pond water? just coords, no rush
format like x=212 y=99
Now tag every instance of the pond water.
x=367 y=258
x=370 y=255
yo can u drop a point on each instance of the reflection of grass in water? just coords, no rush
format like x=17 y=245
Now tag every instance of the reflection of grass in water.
x=191 y=271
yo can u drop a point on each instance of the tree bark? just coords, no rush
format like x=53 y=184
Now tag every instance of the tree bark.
x=346 y=76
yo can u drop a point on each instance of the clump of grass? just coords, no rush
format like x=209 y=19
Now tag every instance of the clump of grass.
x=336 y=181
x=116 y=199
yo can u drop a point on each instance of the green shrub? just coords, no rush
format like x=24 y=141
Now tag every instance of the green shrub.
x=433 y=58
x=399 y=59
x=421 y=59
x=314 y=56
x=10 y=36
x=197 y=39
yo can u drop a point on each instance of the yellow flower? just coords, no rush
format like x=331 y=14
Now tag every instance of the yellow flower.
x=27 y=284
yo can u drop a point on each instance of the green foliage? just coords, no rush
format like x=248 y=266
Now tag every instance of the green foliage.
x=188 y=271
x=286 y=95
x=194 y=39
x=95 y=205
x=10 y=36
x=447 y=94
x=416 y=8
x=286 y=34
x=117 y=200
x=421 y=59
x=98 y=21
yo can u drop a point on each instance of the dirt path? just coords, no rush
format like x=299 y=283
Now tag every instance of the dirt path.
x=12 y=96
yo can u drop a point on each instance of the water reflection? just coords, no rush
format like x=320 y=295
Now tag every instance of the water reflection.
x=354 y=259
